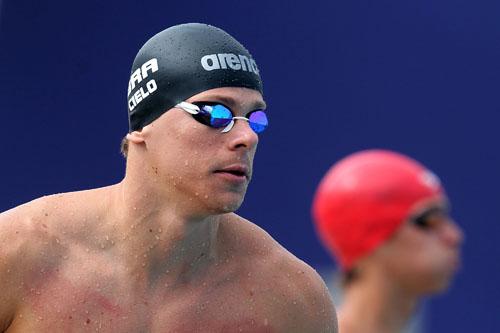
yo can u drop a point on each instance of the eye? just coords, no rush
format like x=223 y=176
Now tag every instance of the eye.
x=204 y=116
x=430 y=218
x=258 y=120
x=220 y=116
x=422 y=222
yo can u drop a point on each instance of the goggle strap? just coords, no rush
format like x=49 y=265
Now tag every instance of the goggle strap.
x=228 y=127
x=231 y=124
x=188 y=107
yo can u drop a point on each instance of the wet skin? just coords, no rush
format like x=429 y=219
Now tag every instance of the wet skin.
x=161 y=251
x=72 y=275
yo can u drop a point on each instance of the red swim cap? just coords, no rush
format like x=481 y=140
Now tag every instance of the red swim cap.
x=364 y=198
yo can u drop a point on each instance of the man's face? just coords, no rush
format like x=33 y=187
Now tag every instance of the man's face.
x=424 y=254
x=198 y=163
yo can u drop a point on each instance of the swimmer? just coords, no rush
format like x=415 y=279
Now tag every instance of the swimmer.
x=384 y=217
x=163 y=250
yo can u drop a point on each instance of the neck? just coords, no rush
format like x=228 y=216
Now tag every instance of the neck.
x=383 y=305
x=160 y=235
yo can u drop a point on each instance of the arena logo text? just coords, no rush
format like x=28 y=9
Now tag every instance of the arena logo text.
x=212 y=62
x=137 y=77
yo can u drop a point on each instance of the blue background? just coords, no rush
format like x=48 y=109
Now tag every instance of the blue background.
x=419 y=77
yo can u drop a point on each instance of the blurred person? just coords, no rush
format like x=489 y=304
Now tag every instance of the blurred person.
x=384 y=218
x=163 y=251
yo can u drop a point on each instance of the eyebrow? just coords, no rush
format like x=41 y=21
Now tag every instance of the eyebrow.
x=258 y=105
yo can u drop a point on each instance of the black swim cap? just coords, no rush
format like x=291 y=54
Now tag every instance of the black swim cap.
x=182 y=61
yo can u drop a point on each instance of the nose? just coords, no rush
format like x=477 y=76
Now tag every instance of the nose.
x=452 y=234
x=242 y=136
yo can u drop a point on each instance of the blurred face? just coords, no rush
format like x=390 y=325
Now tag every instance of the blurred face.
x=200 y=164
x=424 y=254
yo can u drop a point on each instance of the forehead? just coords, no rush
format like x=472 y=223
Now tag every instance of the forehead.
x=233 y=97
x=440 y=202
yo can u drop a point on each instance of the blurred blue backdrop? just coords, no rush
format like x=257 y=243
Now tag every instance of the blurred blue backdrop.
x=419 y=77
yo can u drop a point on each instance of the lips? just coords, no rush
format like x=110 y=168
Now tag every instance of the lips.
x=237 y=171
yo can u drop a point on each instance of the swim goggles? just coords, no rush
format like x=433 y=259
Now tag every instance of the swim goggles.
x=217 y=115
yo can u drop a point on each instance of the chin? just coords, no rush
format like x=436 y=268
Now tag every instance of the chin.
x=226 y=206
x=438 y=285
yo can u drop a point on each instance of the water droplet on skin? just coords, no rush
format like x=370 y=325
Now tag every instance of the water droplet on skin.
x=107 y=237
x=65 y=257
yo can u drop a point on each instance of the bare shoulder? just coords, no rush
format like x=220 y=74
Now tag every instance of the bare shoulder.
x=28 y=232
x=304 y=298
x=34 y=240
x=44 y=221
x=23 y=247
x=21 y=229
x=31 y=234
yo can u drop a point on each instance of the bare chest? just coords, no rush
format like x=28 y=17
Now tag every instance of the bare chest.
x=62 y=304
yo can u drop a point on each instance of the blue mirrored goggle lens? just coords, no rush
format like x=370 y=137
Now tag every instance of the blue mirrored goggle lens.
x=220 y=116
x=258 y=121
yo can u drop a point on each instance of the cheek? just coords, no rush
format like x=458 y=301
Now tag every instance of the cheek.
x=408 y=255
x=180 y=149
x=424 y=265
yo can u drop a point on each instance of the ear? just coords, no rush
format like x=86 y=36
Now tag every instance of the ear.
x=136 y=137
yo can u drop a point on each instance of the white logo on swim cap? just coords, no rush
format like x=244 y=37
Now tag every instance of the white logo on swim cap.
x=137 y=77
x=235 y=62
x=429 y=179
